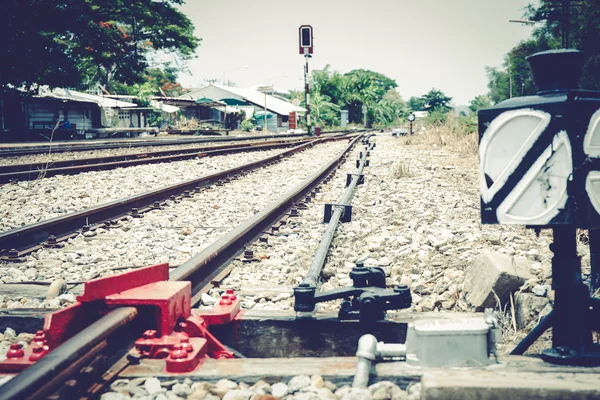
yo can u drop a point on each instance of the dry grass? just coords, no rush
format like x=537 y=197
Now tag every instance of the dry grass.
x=401 y=170
x=451 y=134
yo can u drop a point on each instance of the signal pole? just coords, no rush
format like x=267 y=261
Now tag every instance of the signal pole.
x=306 y=49
x=307 y=92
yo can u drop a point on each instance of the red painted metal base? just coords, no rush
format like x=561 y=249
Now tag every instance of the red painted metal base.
x=182 y=339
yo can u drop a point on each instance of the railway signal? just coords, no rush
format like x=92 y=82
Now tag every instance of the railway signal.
x=540 y=166
x=306 y=39
x=411 y=119
x=306 y=48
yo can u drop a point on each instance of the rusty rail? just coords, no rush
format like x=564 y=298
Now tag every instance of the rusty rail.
x=30 y=237
x=53 y=371
x=28 y=172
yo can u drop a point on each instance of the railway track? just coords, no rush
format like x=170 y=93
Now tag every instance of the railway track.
x=292 y=277
x=202 y=270
x=33 y=171
x=78 y=147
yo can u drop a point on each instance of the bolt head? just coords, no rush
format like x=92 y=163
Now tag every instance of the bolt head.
x=150 y=334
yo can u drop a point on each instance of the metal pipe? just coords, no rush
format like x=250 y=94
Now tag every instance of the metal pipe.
x=314 y=272
x=41 y=379
x=368 y=352
x=541 y=327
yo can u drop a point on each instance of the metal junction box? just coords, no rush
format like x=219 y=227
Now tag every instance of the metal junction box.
x=442 y=343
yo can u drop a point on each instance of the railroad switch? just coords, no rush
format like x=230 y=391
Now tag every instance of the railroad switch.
x=178 y=335
x=366 y=300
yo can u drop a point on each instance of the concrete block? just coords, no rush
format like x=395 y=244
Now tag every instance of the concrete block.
x=528 y=307
x=497 y=273
x=487 y=385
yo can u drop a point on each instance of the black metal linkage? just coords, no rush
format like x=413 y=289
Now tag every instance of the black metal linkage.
x=314 y=272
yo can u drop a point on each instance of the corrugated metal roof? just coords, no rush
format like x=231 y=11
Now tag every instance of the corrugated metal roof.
x=273 y=104
x=72 y=95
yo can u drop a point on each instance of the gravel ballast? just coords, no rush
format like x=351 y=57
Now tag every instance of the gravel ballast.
x=28 y=202
x=172 y=235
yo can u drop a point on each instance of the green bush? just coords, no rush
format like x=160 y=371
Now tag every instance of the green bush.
x=246 y=125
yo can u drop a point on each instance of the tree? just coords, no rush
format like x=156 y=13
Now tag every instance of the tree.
x=416 y=103
x=479 y=102
x=36 y=45
x=436 y=100
x=363 y=87
x=584 y=33
x=79 y=42
x=515 y=79
x=121 y=38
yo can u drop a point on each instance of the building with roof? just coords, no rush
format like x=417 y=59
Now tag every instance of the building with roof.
x=70 y=114
x=250 y=101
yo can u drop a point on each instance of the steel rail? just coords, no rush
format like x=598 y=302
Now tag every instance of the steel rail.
x=67 y=147
x=30 y=236
x=314 y=272
x=134 y=156
x=46 y=375
x=42 y=378
x=201 y=268
x=41 y=169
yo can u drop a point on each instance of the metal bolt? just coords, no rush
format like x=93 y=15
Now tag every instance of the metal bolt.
x=135 y=213
x=178 y=352
x=85 y=228
x=275 y=228
x=231 y=294
x=248 y=254
x=149 y=334
x=294 y=212
x=225 y=301
x=51 y=239
x=40 y=336
x=263 y=239
x=13 y=253
x=156 y=205
x=15 y=351
x=187 y=194
x=173 y=197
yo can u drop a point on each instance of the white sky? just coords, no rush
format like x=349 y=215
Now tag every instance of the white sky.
x=421 y=44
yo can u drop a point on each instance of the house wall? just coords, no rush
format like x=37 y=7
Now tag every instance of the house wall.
x=45 y=115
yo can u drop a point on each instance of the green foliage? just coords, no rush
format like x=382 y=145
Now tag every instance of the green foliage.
x=437 y=117
x=246 y=125
x=332 y=92
x=80 y=42
x=416 y=104
x=514 y=78
x=479 y=102
x=154 y=118
x=436 y=100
